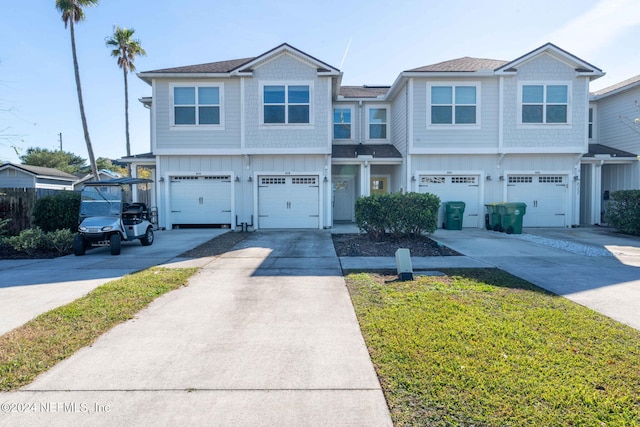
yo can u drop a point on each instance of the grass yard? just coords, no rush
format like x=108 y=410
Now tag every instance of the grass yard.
x=484 y=348
x=51 y=337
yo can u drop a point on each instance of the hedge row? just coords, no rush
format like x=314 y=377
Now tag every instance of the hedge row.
x=398 y=214
x=624 y=211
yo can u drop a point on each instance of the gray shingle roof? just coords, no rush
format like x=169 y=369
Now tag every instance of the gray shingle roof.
x=603 y=149
x=464 y=64
x=211 y=67
x=363 y=91
x=617 y=86
x=42 y=171
x=351 y=151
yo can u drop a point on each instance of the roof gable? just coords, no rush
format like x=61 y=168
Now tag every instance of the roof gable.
x=580 y=66
x=284 y=48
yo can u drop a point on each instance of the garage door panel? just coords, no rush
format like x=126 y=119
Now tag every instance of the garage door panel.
x=545 y=197
x=288 y=202
x=200 y=200
x=449 y=188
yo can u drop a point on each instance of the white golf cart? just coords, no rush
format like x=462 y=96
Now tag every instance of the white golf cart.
x=107 y=220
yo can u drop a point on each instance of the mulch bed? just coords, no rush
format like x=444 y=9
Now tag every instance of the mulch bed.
x=355 y=245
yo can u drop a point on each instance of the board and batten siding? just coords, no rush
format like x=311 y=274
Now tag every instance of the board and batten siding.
x=426 y=137
x=288 y=69
x=193 y=139
x=548 y=70
x=612 y=113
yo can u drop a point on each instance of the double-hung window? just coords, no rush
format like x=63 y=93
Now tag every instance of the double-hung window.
x=544 y=103
x=342 y=123
x=453 y=104
x=286 y=104
x=197 y=105
x=378 y=119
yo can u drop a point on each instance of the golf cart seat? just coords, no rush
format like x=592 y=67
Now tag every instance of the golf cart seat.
x=134 y=212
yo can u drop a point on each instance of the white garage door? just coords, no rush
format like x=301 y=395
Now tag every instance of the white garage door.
x=455 y=188
x=288 y=202
x=201 y=199
x=545 y=197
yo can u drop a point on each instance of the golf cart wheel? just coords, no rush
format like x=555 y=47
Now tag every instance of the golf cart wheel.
x=78 y=245
x=115 y=244
x=147 y=239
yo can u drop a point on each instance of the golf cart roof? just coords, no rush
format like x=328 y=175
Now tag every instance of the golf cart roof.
x=119 y=181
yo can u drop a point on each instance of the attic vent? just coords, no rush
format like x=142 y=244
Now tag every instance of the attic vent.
x=550 y=179
x=12 y=172
x=432 y=179
x=520 y=179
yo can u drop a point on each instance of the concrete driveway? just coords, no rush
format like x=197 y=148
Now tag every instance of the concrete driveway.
x=31 y=287
x=264 y=335
x=608 y=281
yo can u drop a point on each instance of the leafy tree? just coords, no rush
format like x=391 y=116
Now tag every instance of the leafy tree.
x=61 y=160
x=72 y=12
x=104 y=163
x=125 y=49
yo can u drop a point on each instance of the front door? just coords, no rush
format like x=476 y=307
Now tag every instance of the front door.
x=343 y=198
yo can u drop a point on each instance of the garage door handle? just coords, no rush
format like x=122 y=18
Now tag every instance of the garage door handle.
x=175 y=211
x=226 y=211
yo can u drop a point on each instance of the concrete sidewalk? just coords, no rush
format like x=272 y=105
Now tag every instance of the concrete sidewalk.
x=34 y=286
x=264 y=335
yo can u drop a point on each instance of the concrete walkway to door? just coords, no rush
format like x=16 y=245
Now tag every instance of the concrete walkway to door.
x=264 y=335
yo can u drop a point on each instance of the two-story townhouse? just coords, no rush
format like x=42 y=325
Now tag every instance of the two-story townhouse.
x=275 y=142
x=614 y=144
x=245 y=142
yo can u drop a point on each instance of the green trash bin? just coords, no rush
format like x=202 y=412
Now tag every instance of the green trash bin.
x=492 y=218
x=511 y=217
x=453 y=215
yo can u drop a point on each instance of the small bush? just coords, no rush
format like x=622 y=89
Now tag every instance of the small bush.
x=34 y=241
x=57 y=212
x=624 y=211
x=399 y=214
x=31 y=241
x=4 y=223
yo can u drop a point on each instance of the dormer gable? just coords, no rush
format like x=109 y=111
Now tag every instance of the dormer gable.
x=321 y=67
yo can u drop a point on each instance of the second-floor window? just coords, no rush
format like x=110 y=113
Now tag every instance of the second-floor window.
x=545 y=103
x=196 y=105
x=453 y=104
x=286 y=104
x=342 y=123
x=378 y=117
x=590 y=123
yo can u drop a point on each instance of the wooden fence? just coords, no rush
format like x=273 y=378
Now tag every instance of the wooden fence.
x=17 y=204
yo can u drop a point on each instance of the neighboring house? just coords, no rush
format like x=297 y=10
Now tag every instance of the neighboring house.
x=614 y=144
x=275 y=141
x=25 y=176
x=105 y=174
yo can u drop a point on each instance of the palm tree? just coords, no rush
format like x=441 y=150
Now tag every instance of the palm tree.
x=125 y=48
x=72 y=12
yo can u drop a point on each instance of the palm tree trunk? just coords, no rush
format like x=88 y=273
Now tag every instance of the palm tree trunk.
x=126 y=118
x=85 y=128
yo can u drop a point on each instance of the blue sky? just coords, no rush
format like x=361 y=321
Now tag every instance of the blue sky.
x=37 y=88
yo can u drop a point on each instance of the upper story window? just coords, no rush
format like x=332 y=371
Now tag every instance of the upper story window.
x=197 y=105
x=590 y=123
x=286 y=104
x=378 y=119
x=454 y=105
x=544 y=103
x=342 y=123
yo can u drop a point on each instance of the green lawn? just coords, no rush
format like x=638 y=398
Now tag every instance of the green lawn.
x=51 y=337
x=484 y=348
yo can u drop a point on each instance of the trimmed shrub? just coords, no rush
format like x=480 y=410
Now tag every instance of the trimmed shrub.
x=30 y=241
x=398 y=214
x=57 y=212
x=60 y=241
x=624 y=211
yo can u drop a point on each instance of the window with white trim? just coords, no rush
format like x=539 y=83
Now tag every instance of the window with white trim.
x=544 y=103
x=342 y=123
x=453 y=104
x=286 y=104
x=197 y=105
x=590 y=123
x=377 y=118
